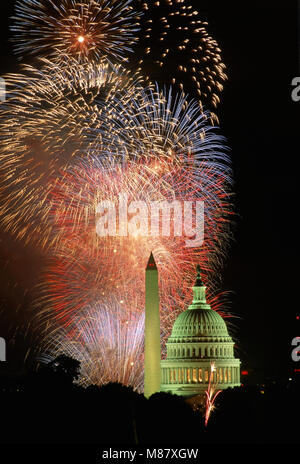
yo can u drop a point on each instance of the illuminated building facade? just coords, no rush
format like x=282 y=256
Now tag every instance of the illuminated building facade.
x=199 y=338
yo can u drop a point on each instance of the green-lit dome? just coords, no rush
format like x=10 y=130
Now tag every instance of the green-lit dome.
x=199 y=320
x=199 y=323
x=199 y=350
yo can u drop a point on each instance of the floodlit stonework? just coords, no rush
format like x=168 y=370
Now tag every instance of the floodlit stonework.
x=199 y=338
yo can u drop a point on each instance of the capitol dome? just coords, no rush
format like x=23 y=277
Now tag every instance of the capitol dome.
x=199 y=349
x=199 y=323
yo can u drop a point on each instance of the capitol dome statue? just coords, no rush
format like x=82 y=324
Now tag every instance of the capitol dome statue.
x=199 y=347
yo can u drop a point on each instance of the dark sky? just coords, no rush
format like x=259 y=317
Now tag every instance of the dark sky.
x=260 y=120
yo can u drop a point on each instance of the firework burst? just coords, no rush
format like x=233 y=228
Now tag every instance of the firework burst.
x=108 y=337
x=164 y=126
x=89 y=30
x=51 y=117
x=211 y=393
x=167 y=151
x=176 y=46
x=90 y=268
x=108 y=341
x=183 y=159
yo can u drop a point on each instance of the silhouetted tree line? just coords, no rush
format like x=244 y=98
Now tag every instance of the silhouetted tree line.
x=48 y=407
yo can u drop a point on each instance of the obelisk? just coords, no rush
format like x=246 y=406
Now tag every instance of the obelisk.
x=152 y=378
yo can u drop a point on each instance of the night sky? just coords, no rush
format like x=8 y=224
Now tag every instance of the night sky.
x=260 y=121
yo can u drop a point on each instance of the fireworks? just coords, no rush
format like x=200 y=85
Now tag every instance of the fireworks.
x=168 y=137
x=57 y=115
x=211 y=393
x=51 y=117
x=89 y=30
x=90 y=269
x=80 y=130
x=176 y=46
x=108 y=341
x=168 y=126
x=172 y=154
x=72 y=284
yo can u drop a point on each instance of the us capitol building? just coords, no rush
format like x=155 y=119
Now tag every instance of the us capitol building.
x=199 y=340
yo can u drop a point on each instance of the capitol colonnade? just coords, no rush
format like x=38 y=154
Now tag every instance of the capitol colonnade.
x=224 y=376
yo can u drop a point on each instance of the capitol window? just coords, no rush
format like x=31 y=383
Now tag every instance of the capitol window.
x=188 y=376
x=200 y=375
x=195 y=380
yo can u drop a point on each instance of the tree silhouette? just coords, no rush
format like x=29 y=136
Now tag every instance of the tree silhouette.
x=65 y=367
